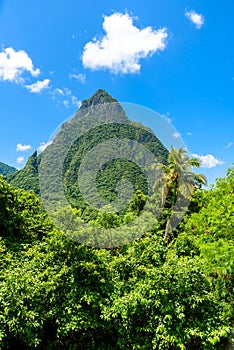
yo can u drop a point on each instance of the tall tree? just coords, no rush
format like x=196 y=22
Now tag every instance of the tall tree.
x=177 y=181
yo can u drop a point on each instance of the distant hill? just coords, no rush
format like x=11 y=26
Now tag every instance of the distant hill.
x=108 y=177
x=6 y=169
x=26 y=178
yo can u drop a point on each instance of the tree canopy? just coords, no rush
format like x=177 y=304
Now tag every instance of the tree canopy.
x=148 y=294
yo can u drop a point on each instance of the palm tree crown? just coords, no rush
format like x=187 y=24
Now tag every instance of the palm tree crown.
x=178 y=178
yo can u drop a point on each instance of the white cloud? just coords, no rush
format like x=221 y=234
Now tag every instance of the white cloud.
x=208 y=160
x=195 y=18
x=79 y=77
x=176 y=135
x=75 y=101
x=59 y=91
x=189 y=133
x=43 y=146
x=38 y=86
x=123 y=45
x=65 y=97
x=22 y=148
x=230 y=144
x=20 y=160
x=14 y=63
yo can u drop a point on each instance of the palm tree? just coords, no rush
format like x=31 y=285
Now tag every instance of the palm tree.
x=177 y=179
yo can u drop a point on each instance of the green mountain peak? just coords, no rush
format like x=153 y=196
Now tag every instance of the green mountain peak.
x=111 y=173
x=99 y=97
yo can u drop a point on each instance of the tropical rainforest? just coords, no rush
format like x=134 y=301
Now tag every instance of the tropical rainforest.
x=168 y=289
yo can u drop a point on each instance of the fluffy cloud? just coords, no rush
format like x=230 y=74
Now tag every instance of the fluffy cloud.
x=123 y=45
x=43 y=146
x=14 y=63
x=79 y=77
x=20 y=160
x=22 y=148
x=208 y=160
x=38 y=86
x=195 y=18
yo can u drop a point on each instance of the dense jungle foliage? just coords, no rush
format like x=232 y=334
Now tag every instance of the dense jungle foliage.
x=168 y=289
x=149 y=294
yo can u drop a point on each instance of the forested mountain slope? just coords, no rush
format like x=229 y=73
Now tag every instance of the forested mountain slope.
x=27 y=178
x=164 y=290
x=6 y=169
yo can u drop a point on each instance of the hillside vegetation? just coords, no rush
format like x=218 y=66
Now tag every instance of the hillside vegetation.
x=57 y=294
x=6 y=169
x=166 y=290
x=28 y=177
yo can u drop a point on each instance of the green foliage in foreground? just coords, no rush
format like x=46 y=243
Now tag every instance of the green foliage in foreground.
x=57 y=294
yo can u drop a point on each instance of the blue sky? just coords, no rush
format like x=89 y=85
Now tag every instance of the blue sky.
x=175 y=57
